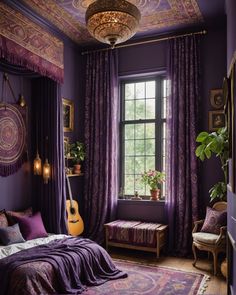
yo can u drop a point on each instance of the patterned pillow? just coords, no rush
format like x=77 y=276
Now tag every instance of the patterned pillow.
x=3 y=219
x=12 y=214
x=11 y=235
x=32 y=227
x=214 y=220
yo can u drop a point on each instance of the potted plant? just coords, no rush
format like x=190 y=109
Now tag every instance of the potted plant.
x=77 y=152
x=154 y=179
x=215 y=143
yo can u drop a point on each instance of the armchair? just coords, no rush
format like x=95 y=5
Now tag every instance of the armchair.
x=208 y=241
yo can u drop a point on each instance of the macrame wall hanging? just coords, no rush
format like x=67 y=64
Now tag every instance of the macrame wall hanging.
x=13 y=148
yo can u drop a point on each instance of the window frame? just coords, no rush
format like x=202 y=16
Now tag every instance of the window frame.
x=159 y=122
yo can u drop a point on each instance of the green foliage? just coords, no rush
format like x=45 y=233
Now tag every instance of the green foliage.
x=218 y=191
x=215 y=143
x=153 y=178
x=77 y=152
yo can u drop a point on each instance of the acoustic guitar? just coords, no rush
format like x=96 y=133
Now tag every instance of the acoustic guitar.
x=74 y=221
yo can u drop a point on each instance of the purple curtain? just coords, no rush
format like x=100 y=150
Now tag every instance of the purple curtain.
x=47 y=113
x=182 y=183
x=101 y=135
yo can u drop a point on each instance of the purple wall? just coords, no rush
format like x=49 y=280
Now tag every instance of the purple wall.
x=231 y=197
x=148 y=58
x=16 y=188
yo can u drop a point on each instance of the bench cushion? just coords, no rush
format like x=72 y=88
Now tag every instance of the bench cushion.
x=135 y=232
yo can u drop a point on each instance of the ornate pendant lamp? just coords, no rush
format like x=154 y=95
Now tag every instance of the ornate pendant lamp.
x=37 y=164
x=46 y=166
x=112 y=21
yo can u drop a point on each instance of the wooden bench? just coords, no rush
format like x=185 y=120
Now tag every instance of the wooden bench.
x=136 y=235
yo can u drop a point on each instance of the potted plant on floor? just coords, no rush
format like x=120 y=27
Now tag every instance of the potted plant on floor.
x=216 y=143
x=77 y=152
x=154 y=179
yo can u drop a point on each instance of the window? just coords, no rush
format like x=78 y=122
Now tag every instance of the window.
x=143 y=132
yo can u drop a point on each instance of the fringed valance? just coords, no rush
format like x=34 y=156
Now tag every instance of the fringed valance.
x=25 y=43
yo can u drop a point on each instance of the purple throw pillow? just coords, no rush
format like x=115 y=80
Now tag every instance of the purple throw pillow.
x=11 y=235
x=12 y=214
x=214 y=220
x=31 y=227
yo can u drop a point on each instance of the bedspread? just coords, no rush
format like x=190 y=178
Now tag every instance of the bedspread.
x=63 y=266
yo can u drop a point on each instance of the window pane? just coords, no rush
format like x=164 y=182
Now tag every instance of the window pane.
x=140 y=90
x=129 y=91
x=139 y=165
x=129 y=110
x=129 y=147
x=150 y=130
x=150 y=108
x=139 y=131
x=150 y=163
x=140 y=109
x=150 y=147
x=150 y=89
x=129 y=165
x=164 y=109
x=139 y=138
x=164 y=88
x=129 y=131
x=129 y=184
x=139 y=147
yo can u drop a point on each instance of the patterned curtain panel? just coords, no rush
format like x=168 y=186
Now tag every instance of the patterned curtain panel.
x=101 y=135
x=182 y=200
x=24 y=43
x=49 y=198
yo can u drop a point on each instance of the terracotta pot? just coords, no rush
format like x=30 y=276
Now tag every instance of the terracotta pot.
x=77 y=169
x=155 y=195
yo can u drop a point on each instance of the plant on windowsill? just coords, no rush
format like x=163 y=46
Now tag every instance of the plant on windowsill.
x=215 y=143
x=77 y=152
x=153 y=179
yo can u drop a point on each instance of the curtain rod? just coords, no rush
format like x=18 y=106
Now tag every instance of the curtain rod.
x=146 y=42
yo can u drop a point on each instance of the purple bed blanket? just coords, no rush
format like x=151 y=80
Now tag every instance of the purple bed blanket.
x=76 y=262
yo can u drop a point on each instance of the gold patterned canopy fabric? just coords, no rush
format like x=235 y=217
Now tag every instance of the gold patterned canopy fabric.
x=25 y=43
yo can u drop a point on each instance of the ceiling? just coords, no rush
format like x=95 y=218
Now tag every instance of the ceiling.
x=158 y=16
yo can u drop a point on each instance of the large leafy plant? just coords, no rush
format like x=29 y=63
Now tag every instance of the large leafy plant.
x=216 y=143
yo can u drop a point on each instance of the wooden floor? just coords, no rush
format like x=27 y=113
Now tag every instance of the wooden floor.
x=216 y=284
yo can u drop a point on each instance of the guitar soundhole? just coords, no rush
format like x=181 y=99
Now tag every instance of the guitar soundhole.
x=72 y=210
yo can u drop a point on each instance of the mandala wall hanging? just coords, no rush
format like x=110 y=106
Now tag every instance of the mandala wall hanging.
x=13 y=150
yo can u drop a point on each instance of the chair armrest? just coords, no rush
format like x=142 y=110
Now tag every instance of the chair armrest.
x=196 y=224
x=222 y=234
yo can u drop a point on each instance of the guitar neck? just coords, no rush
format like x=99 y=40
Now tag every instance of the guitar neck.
x=69 y=189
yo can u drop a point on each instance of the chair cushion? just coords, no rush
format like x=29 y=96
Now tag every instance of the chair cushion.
x=205 y=238
x=214 y=220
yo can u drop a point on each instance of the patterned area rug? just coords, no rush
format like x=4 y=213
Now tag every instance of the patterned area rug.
x=152 y=280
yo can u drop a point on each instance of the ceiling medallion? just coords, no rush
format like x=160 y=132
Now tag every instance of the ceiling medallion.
x=111 y=21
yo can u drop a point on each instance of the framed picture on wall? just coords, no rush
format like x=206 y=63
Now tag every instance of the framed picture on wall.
x=216 y=120
x=217 y=98
x=68 y=115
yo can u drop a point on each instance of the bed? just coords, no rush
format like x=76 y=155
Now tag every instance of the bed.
x=56 y=264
